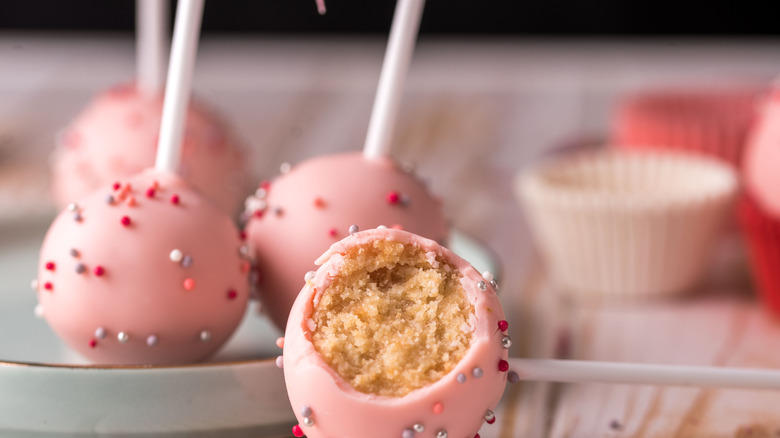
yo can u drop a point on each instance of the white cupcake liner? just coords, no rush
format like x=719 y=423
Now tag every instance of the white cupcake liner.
x=627 y=223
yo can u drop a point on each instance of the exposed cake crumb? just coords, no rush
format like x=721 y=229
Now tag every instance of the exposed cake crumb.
x=395 y=319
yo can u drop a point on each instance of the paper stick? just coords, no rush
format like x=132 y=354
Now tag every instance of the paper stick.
x=400 y=47
x=151 y=29
x=179 y=83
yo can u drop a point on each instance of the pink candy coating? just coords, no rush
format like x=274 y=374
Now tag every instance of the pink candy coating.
x=131 y=285
x=313 y=206
x=338 y=410
x=115 y=137
x=762 y=157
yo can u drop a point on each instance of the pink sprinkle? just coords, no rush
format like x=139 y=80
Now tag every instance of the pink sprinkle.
x=131 y=201
x=319 y=202
x=155 y=184
x=245 y=267
x=150 y=192
x=333 y=232
x=438 y=408
x=92 y=343
x=48 y=286
x=50 y=266
x=297 y=431
x=232 y=294
x=393 y=197
x=175 y=199
x=503 y=365
x=265 y=185
x=280 y=342
x=99 y=271
x=189 y=284
x=397 y=227
x=117 y=185
x=503 y=325
x=126 y=221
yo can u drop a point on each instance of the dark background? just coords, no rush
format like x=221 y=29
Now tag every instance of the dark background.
x=444 y=17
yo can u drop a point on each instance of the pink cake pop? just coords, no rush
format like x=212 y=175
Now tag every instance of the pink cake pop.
x=144 y=272
x=370 y=280
x=115 y=136
x=300 y=214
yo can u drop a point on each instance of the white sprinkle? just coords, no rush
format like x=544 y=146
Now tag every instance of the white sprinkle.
x=122 y=337
x=205 y=336
x=151 y=340
x=381 y=227
x=100 y=333
x=309 y=276
x=353 y=229
x=261 y=193
x=73 y=206
x=38 y=310
x=280 y=361
x=243 y=250
x=488 y=276
x=284 y=167
x=34 y=284
x=176 y=255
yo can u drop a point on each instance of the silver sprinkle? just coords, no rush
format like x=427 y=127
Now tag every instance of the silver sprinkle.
x=151 y=340
x=487 y=275
x=306 y=411
x=404 y=199
x=122 y=337
x=513 y=377
x=80 y=268
x=494 y=283
x=309 y=276
x=307 y=421
x=261 y=192
x=100 y=333
x=506 y=342
x=243 y=250
x=109 y=199
x=284 y=167
x=489 y=415
x=441 y=434
x=34 y=284
x=73 y=206
x=461 y=378
x=476 y=372
x=38 y=310
x=482 y=285
x=418 y=427
x=77 y=216
x=278 y=211
x=186 y=261
x=279 y=361
x=74 y=252
x=353 y=229
x=407 y=433
x=205 y=336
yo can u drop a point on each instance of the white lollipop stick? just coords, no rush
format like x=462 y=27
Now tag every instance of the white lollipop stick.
x=400 y=47
x=577 y=371
x=151 y=17
x=186 y=28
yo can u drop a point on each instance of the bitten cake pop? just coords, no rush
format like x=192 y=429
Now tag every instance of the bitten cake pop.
x=299 y=215
x=394 y=336
x=146 y=271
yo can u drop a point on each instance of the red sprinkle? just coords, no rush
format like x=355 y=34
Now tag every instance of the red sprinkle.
x=245 y=267
x=297 y=431
x=175 y=199
x=333 y=232
x=393 y=197
x=232 y=294
x=126 y=221
x=99 y=271
x=189 y=284
x=503 y=365
x=438 y=408
x=48 y=285
x=50 y=266
x=117 y=185
x=259 y=213
x=491 y=421
x=92 y=343
x=476 y=436
x=265 y=185
x=503 y=325
x=319 y=202
x=150 y=192
x=242 y=235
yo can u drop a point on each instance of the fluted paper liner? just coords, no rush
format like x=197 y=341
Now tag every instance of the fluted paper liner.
x=627 y=223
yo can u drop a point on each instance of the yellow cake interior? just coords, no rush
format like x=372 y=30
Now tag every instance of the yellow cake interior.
x=394 y=320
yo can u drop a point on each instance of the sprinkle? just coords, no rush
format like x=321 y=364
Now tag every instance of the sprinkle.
x=494 y=283
x=513 y=377
x=34 y=284
x=392 y=197
x=176 y=255
x=476 y=372
x=381 y=227
x=109 y=199
x=306 y=411
x=175 y=199
x=490 y=417
x=38 y=310
x=482 y=286
x=74 y=252
x=242 y=235
x=131 y=201
x=278 y=211
x=397 y=227
x=73 y=206
x=155 y=185
x=407 y=433
x=405 y=199
x=122 y=337
x=50 y=266
x=353 y=229
x=488 y=276
x=441 y=434
x=503 y=366
x=319 y=202
x=77 y=216
x=232 y=294
x=100 y=333
x=280 y=342
x=99 y=271
x=279 y=361
x=117 y=185
x=506 y=342
x=126 y=221
x=307 y=421
x=261 y=192
x=150 y=192
x=284 y=167
x=503 y=325
x=333 y=232
x=189 y=284
x=309 y=276
x=297 y=431
x=80 y=268
x=258 y=213
x=205 y=336
x=92 y=343
x=461 y=378
x=418 y=427
x=48 y=286
x=186 y=261
x=615 y=425
x=476 y=435
x=243 y=250
x=151 y=340
x=245 y=266
x=438 y=408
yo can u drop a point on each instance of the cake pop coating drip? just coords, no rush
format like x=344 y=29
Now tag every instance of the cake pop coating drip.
x=135 y=276
x=319 y=199
x=455 y=405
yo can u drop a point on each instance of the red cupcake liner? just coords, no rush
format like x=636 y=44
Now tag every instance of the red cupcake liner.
x=762 y=234
x=715 y=123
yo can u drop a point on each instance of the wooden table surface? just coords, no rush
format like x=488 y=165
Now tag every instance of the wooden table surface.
x=474 y=113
